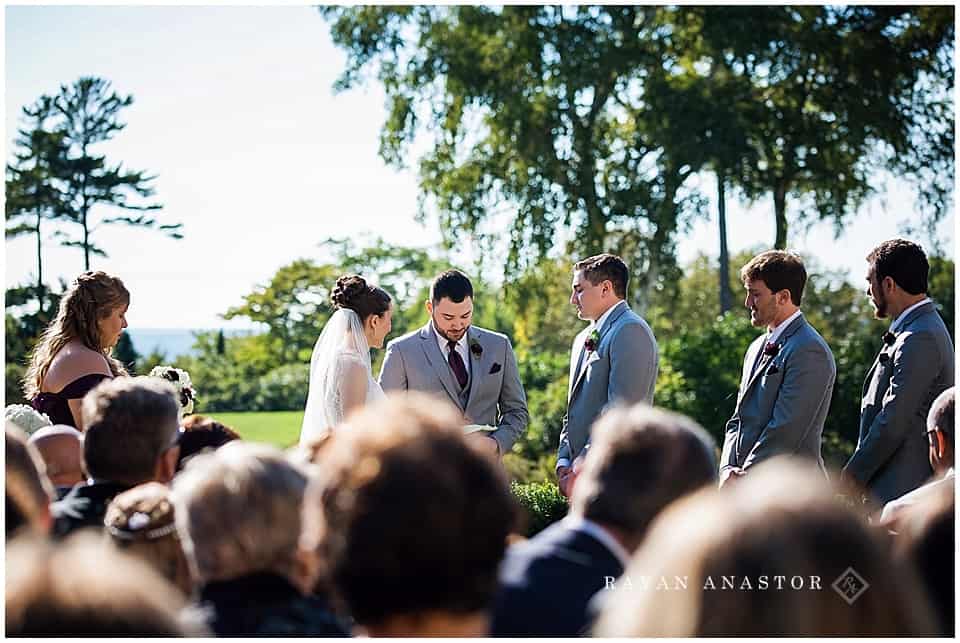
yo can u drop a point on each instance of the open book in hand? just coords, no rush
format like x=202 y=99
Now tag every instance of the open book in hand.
x=473 y=428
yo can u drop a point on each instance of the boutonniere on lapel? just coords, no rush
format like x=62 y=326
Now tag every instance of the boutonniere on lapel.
x=770 y=350
x=475 y=348
x=889 y=339
x=592 y=340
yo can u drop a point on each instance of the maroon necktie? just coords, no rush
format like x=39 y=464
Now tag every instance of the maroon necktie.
x=456 y=364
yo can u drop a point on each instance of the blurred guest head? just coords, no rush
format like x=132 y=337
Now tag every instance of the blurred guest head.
x=412 y=520
x=774 y=556
x=940 y=432
x=640 y=460
x=81 y=588
x=28 y=491
x=201 y=433
x=61 y=448
x=927 y=540
x=140 y=522
x=132 y=429
x=238 y=513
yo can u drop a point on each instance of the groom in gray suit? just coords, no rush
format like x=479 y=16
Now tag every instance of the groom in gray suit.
x=613 y=360
x=474 y=368
x=788 y=373
x=914 y=366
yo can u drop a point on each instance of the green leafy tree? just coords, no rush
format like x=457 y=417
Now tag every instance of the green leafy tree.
x=31 y=191
x=89 y=113
x=534 y=110
x=125 y=352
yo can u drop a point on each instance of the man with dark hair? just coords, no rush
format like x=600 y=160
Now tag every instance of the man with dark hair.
x=613 y=359
x=412 y=520
x=788 y=373
x=642 y=459
x=912 y=368
x=474 y=368
x=132 y=428
x=940 y=435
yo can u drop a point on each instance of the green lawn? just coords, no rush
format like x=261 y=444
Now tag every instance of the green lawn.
x=281 y=428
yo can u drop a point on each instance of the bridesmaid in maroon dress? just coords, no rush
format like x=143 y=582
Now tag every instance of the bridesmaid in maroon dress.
x=73 y=354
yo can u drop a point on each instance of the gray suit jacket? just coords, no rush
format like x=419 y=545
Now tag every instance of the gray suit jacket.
x=622 y=369
x=495 y=395
x=782 y=406
x=892 y=453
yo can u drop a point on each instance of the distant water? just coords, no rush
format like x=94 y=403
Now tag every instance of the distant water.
x=173 y=341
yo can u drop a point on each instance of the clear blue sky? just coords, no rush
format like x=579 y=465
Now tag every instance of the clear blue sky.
x=260 y=160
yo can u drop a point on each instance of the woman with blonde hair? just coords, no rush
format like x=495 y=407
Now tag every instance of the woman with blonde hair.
x=73 y=354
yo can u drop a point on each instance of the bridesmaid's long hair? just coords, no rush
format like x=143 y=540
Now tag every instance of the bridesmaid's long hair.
x=93 y=296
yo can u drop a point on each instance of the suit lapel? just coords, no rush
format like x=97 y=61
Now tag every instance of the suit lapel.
x=577 y=356
x=478 y=365
x=593 y=355
x=794 y=326
x=431 y=349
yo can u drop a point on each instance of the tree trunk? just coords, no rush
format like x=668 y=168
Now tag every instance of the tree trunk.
x=40 y=297
x=726 y=297
x=780 y=211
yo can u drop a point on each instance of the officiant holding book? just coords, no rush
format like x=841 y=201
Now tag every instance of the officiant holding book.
x=474 y=368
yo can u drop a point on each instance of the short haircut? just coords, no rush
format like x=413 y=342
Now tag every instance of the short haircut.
x=81 y=588
x=452 y=284
x=779 y=270
x=599 y=268
x=202 y=433
x=640 y=460
x=941 y=415
x=904 y=262
x=780 y=522
x=237 y=511
x=130 y=422
x=28 y=491
x=410 y=518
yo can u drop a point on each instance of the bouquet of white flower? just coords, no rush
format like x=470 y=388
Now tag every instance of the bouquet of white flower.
x=26 y=418
x=181 y=381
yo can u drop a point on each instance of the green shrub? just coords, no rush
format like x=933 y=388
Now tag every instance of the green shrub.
x=283 y=389
x=542 y=503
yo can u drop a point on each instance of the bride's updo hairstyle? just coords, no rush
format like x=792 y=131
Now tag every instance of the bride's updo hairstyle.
x=353 y=292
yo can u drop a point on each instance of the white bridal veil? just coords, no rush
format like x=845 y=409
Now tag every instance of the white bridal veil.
x=342 y=345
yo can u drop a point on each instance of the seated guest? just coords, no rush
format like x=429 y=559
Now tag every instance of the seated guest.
x=927 y=540
x=201 y=433
x=132 y=428
x=81 y=588
x=73 y=354
x=940 y=440
x=238 y=514
x=61 y=448
x=641 y=460
x=28 y=491
x=773 y=555
x=140 y=522
x=412 y=520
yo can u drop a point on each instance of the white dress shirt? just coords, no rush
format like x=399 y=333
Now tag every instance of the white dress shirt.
x=774 y=335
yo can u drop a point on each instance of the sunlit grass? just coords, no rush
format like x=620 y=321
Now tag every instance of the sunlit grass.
x=281 y=428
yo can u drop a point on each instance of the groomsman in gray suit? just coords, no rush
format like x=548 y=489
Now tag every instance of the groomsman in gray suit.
x=613 y=360
x=788 y=373
x=474 y=368
x=913 y=367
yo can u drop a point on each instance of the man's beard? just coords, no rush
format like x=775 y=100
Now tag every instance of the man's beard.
x=446 y=336
x=880 y=305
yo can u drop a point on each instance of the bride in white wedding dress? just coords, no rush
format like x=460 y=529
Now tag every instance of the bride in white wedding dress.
x=341 y=378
